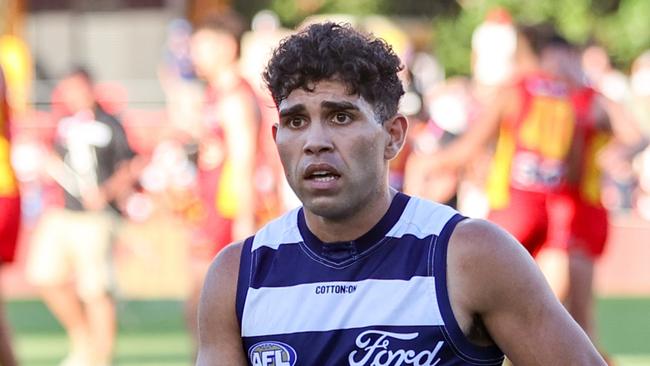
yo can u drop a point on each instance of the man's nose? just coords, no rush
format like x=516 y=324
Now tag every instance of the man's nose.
x=318 y=139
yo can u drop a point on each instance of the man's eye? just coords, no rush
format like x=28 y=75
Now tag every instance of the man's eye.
x=341 y=118
x=295 y=122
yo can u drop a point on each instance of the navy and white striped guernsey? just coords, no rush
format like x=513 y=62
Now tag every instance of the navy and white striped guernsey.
x=378 y=300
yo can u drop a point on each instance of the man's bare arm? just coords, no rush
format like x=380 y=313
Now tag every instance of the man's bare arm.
x=492 y=276
x=621 y=122
x=219 y=334
x=459 y=152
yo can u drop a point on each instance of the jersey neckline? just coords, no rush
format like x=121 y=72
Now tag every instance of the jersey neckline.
x=342 y=251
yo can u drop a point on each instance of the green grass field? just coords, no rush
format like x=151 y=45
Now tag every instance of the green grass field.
x=153 y=333
x=150 y=333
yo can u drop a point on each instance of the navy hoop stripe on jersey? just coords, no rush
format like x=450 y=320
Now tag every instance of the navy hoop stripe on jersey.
x=382 y=264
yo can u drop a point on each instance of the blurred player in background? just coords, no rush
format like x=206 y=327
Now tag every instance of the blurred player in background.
x=69 y=259
x=526 y=115
x=579 y=222
x=9 y=215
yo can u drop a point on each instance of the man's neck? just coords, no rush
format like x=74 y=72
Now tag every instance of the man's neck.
x=351 y=227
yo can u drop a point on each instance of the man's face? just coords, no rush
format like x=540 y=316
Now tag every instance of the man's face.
x=333 y=149
x=211 y=50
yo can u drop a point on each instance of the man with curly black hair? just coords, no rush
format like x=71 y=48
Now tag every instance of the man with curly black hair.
x=362 y=274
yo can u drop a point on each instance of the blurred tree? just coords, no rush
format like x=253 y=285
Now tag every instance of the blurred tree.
x=292 y=12
x=626 y=32
x=622 y=26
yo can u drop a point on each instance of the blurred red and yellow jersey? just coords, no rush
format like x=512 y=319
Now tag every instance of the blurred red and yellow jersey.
x=594 y=138
x=8 y=182
x=533 y=146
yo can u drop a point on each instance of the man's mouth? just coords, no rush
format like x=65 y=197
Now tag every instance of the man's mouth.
x=321 y=173
x=323 y=176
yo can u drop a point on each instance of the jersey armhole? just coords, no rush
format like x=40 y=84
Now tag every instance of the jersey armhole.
x=464 y=348
x=244 y=277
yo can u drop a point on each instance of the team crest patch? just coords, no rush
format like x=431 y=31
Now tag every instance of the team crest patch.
x=271 y=353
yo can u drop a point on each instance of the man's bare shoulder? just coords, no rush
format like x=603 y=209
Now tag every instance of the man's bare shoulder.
x=219 y=337
x=225 y=265
x=481 y=240
x=221 y=279
x=491 y=275
x=482 y=259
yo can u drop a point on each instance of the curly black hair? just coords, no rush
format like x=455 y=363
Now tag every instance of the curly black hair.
x=367 y=65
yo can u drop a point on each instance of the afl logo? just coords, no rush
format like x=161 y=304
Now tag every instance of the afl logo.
x=272 y=354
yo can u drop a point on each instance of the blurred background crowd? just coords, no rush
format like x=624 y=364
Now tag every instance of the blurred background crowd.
x=144 y=126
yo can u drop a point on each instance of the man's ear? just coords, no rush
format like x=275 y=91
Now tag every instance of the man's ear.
x=397 y=128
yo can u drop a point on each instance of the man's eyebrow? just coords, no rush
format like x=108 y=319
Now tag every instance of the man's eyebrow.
x=291 y=110
x=338 y=106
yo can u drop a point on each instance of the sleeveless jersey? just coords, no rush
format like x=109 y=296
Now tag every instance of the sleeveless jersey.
x=378 y=300
x=532 y=148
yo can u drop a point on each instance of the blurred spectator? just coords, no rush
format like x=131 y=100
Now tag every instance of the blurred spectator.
x=449 y=106
x=620 y=180
x=427 y=72
x=603 y=76
x=169 y=179
x=643 y=199
x=640 y=84
x=493 y=49
x=411 y=106
x=9 y=215
x=257 y=45
x=70 y=252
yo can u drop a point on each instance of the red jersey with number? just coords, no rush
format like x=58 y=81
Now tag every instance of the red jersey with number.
x=580 y=220
x=533 y=147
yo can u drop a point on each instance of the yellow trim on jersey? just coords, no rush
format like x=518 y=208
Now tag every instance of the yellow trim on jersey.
x=8 y=183
x=226 y=197
x=498 y=184
x=591 y=174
